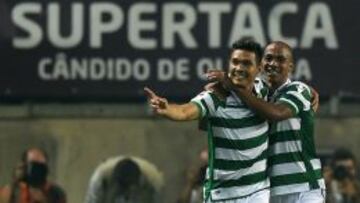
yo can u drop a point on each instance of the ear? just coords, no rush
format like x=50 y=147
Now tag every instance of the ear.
x=260 y=66
x=291 y=67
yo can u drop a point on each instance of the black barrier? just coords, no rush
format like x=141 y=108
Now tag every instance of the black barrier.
x=100 y=50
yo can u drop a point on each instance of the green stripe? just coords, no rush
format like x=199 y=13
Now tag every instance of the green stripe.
x=286 y=158
x=284 y=136
x=236 y=123
x=236 y=106
x=291 y=106
x=222 y=164
x=217 y=101
x=240 y=144
x=294 y=99
x=243 y=181
x=293 y=178
x=264 y=92
x=205 y=105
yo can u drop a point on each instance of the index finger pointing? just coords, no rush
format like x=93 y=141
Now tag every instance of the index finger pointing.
x=149 y=92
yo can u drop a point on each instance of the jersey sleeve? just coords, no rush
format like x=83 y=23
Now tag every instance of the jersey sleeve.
x=297 y=97
x=204 y=102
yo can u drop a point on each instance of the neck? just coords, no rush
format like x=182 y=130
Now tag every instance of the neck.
x=250 y=87
x=276 y=85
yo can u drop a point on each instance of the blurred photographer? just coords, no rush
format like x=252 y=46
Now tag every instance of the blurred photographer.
x=30 y=183
x=342 y=183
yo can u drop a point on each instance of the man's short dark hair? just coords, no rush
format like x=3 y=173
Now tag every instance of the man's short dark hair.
x=126 y=172
x=249 y=44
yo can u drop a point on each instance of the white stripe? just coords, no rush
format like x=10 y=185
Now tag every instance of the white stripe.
x=241 y=133
x=234 y=113
x=294 y=188
x=285 y=147
x=238 y=191
x=291 y=103
x=234 y=98
x=289 y=124
x=294 y=167
x=259 y=166
x=237 y=155
x=305 y=102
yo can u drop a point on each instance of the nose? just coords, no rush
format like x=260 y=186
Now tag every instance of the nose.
x=272 y=63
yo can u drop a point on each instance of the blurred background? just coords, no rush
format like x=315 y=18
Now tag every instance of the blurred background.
x=72 y=75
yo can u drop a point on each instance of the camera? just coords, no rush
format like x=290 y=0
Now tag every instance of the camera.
x=341 y=172
x=35 y=173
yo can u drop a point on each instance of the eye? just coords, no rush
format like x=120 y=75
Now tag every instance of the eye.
x=235 y=61
x=281 y=59
x=268 y=58
x=246 y=63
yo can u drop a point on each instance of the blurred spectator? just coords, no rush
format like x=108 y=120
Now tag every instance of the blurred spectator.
x=30 y=183
x=125 y=180
x=193 y=190
x=341 y=178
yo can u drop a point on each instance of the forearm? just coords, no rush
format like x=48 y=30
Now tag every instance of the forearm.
x=267 y=110
x=181 y=112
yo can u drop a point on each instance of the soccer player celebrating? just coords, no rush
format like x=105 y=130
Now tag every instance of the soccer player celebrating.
x=238 y=139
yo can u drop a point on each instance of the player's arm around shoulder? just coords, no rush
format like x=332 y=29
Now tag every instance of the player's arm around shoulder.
x=179 y=112
x=297 y=97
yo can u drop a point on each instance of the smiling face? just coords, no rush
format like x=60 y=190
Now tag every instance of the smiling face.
x=277 y=63
x=243 y=68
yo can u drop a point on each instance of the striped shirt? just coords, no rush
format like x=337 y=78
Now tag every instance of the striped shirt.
x=238 y=146
x=293 y=165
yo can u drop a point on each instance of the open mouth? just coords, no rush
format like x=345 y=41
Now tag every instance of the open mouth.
x=272 y=71
x=239 y=75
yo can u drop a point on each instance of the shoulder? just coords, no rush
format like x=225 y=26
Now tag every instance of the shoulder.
x=298 y=86
x=105 y=168
x=208 y=97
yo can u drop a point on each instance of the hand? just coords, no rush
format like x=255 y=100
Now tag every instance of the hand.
x=158 y=104
x=223 y=78
x=215 y=75
x=211 y=86
x=314 y=100
x=19 y=173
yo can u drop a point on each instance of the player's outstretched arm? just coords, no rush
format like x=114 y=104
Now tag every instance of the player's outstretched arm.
x=178 y=112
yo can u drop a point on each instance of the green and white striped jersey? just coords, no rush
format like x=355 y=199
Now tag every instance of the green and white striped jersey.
x=293 y=165
x=238 y=146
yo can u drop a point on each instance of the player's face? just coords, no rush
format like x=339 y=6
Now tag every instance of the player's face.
x=243 y=68
x=277 y=64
